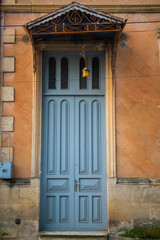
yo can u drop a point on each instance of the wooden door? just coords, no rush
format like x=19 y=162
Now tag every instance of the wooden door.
x=73 y=179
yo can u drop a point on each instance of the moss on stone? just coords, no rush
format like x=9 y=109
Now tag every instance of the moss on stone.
x=146 y=232
x=3 y=234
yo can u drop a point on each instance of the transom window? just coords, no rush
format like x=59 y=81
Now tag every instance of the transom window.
x=63 y=73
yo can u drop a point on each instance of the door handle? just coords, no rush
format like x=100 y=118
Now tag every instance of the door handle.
x=75 y=185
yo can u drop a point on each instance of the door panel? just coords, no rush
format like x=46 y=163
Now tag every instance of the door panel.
x=73 y=179
x=89 y=156
x=57 y=183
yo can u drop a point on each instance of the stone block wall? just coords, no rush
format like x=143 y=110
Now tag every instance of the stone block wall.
x=132 y=201
x=19 y=199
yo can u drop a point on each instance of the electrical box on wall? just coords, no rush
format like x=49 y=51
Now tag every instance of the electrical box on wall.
x=6 y=168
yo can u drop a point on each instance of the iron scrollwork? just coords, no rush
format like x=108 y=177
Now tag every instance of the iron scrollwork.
x=75 y=21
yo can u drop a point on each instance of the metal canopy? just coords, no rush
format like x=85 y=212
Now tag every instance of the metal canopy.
x=75 y=21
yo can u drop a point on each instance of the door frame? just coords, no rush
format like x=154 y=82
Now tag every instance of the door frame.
x=37 y=105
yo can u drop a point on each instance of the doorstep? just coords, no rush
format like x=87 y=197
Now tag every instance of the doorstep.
x=73 y=234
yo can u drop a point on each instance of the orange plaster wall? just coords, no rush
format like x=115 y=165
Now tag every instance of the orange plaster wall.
x=137 y=99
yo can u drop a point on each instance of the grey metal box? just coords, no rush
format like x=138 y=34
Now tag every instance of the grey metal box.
x=6 y=170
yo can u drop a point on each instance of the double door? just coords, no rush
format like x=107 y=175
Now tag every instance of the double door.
x=73 y=179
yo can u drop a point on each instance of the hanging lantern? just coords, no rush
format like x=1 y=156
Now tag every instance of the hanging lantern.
x=85 y=72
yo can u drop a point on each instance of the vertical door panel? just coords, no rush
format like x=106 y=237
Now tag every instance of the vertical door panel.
x=83 y=137
x=96 y=209
x=96 y=136
x=51 y=209
x=57 y=185
x=90 y=133
x=64 y=209
x=83 y=209
x=64 y=137
x=51 y=135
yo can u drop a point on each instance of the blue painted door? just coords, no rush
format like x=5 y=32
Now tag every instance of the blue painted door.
x=73 y=168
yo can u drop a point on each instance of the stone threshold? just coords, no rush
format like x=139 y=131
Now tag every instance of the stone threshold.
x=73 y=233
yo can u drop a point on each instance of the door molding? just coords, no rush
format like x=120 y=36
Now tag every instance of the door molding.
x=37 y=105
x=110 y=115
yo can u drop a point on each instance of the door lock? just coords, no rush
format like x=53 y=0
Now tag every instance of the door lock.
x=75 y=185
